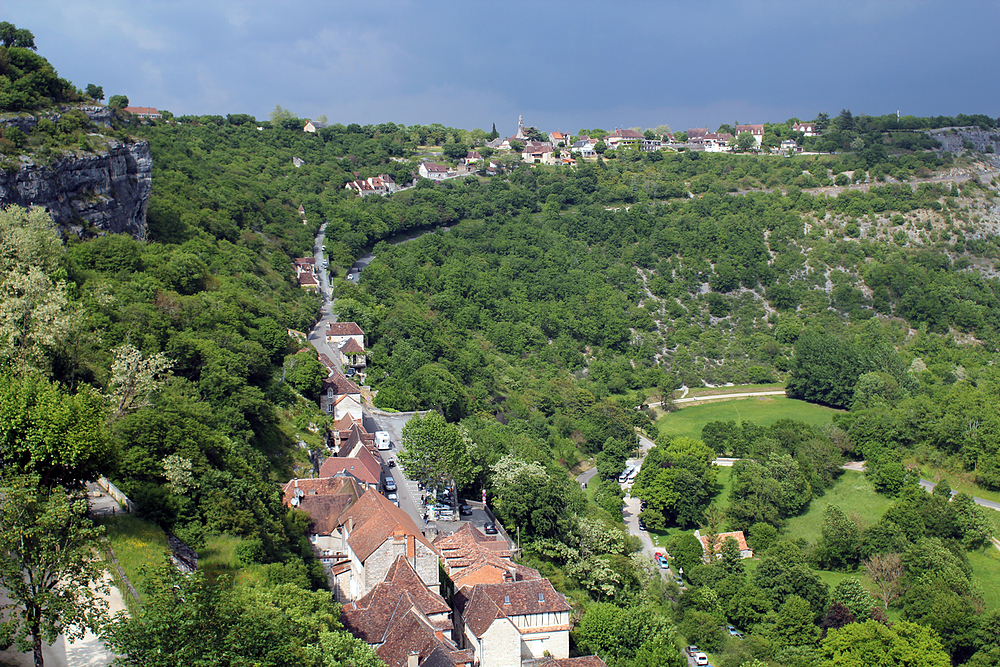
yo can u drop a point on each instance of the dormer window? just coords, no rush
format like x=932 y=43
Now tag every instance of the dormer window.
x=541 y=597
x=506 y=599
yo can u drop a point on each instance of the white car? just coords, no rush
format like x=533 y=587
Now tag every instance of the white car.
x=700 y=659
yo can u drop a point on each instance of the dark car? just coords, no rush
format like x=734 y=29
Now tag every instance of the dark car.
x=490 y=528
x=642 y=525
x=465 y=510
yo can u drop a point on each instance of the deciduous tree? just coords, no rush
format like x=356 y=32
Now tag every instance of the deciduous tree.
x=48 y=565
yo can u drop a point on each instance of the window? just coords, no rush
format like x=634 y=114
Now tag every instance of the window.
x=541 y=597
x=506 y=599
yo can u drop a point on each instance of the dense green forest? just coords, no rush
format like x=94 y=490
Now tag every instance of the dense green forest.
x=557 y=300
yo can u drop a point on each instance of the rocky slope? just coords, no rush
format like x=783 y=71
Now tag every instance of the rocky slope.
x=87 y=193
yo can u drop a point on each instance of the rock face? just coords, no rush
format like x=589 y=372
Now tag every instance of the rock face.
x=105 y=192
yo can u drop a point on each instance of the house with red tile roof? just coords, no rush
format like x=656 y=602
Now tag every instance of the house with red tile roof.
x=373 y=532
x=382 y=184
x=757 y=131
x=144 y=112
x=538 y=152
x=622 y=138
x=720 y=541
x=352 y=354
x=556 y=137
x=433 y=171
x=412 y=641
x=807 y=129
x=305 y=272
x=370 y=617
x=471 y=557
x=339 y=332
x=696 y=132
x=339 y=397
x=513 y=621
x=361 y=464
x=582 y=661
x=324 y=499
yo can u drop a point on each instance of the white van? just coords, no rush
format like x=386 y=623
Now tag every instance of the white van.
x=382 y=440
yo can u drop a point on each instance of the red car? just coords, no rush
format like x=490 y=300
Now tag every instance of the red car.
x=657 y=556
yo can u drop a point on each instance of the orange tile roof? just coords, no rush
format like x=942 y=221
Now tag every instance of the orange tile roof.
x=376 y=520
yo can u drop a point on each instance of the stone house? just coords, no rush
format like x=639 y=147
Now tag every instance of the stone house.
x=324 y=499
x=352 y=354
x=313 y=126
x=512 y=621
x=340 y=397
x=372 y=533
x=370 y=617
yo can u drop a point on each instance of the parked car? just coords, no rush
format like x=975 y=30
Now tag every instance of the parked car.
x=657 y=556
x=465 y=510
x=642 y=525
x=664 y=564
x=700 y=659
x=691 y=650
x=349 y=372
x=679 y=581
x=394 y=498
x=390 y=484
x=490 y=528
x=733 y=632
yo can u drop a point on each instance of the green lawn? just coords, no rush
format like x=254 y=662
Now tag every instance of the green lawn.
x=765 y=410
x=986 y=573
x=138 y=545
x=853 y=493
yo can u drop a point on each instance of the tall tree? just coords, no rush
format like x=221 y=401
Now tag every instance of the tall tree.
x=886 y=570
x=872 y=644
x=435 y=452
x=48 y=566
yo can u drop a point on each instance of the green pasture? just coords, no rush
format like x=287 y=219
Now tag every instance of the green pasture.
x=853 y=493
x=762 y=410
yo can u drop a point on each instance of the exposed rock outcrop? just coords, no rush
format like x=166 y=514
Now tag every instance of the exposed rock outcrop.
x=87 y=193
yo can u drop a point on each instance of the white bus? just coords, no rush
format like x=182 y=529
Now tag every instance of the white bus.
x=624 y=477
x=632 y=473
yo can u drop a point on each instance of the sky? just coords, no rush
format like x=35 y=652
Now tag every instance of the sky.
x=564 y=65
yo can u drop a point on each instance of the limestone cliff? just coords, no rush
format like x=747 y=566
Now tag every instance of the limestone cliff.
x=87 y=193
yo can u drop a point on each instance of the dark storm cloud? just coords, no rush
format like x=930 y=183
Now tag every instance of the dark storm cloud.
x=564 y=65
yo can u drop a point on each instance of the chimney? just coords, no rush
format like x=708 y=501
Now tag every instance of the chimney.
x=413 y=660
x=439 y=634
x=350 y=524
x=411 y=547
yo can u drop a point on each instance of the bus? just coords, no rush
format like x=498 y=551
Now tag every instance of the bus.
x=624 y=477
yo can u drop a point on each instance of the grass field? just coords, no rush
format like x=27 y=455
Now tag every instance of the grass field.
x=219 y=556
x=689 y=420
x=986 y=573
x=963 y=482
x=137 y=544
x=852 y=493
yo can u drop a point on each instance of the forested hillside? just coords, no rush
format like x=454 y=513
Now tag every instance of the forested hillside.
x=547 y=305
